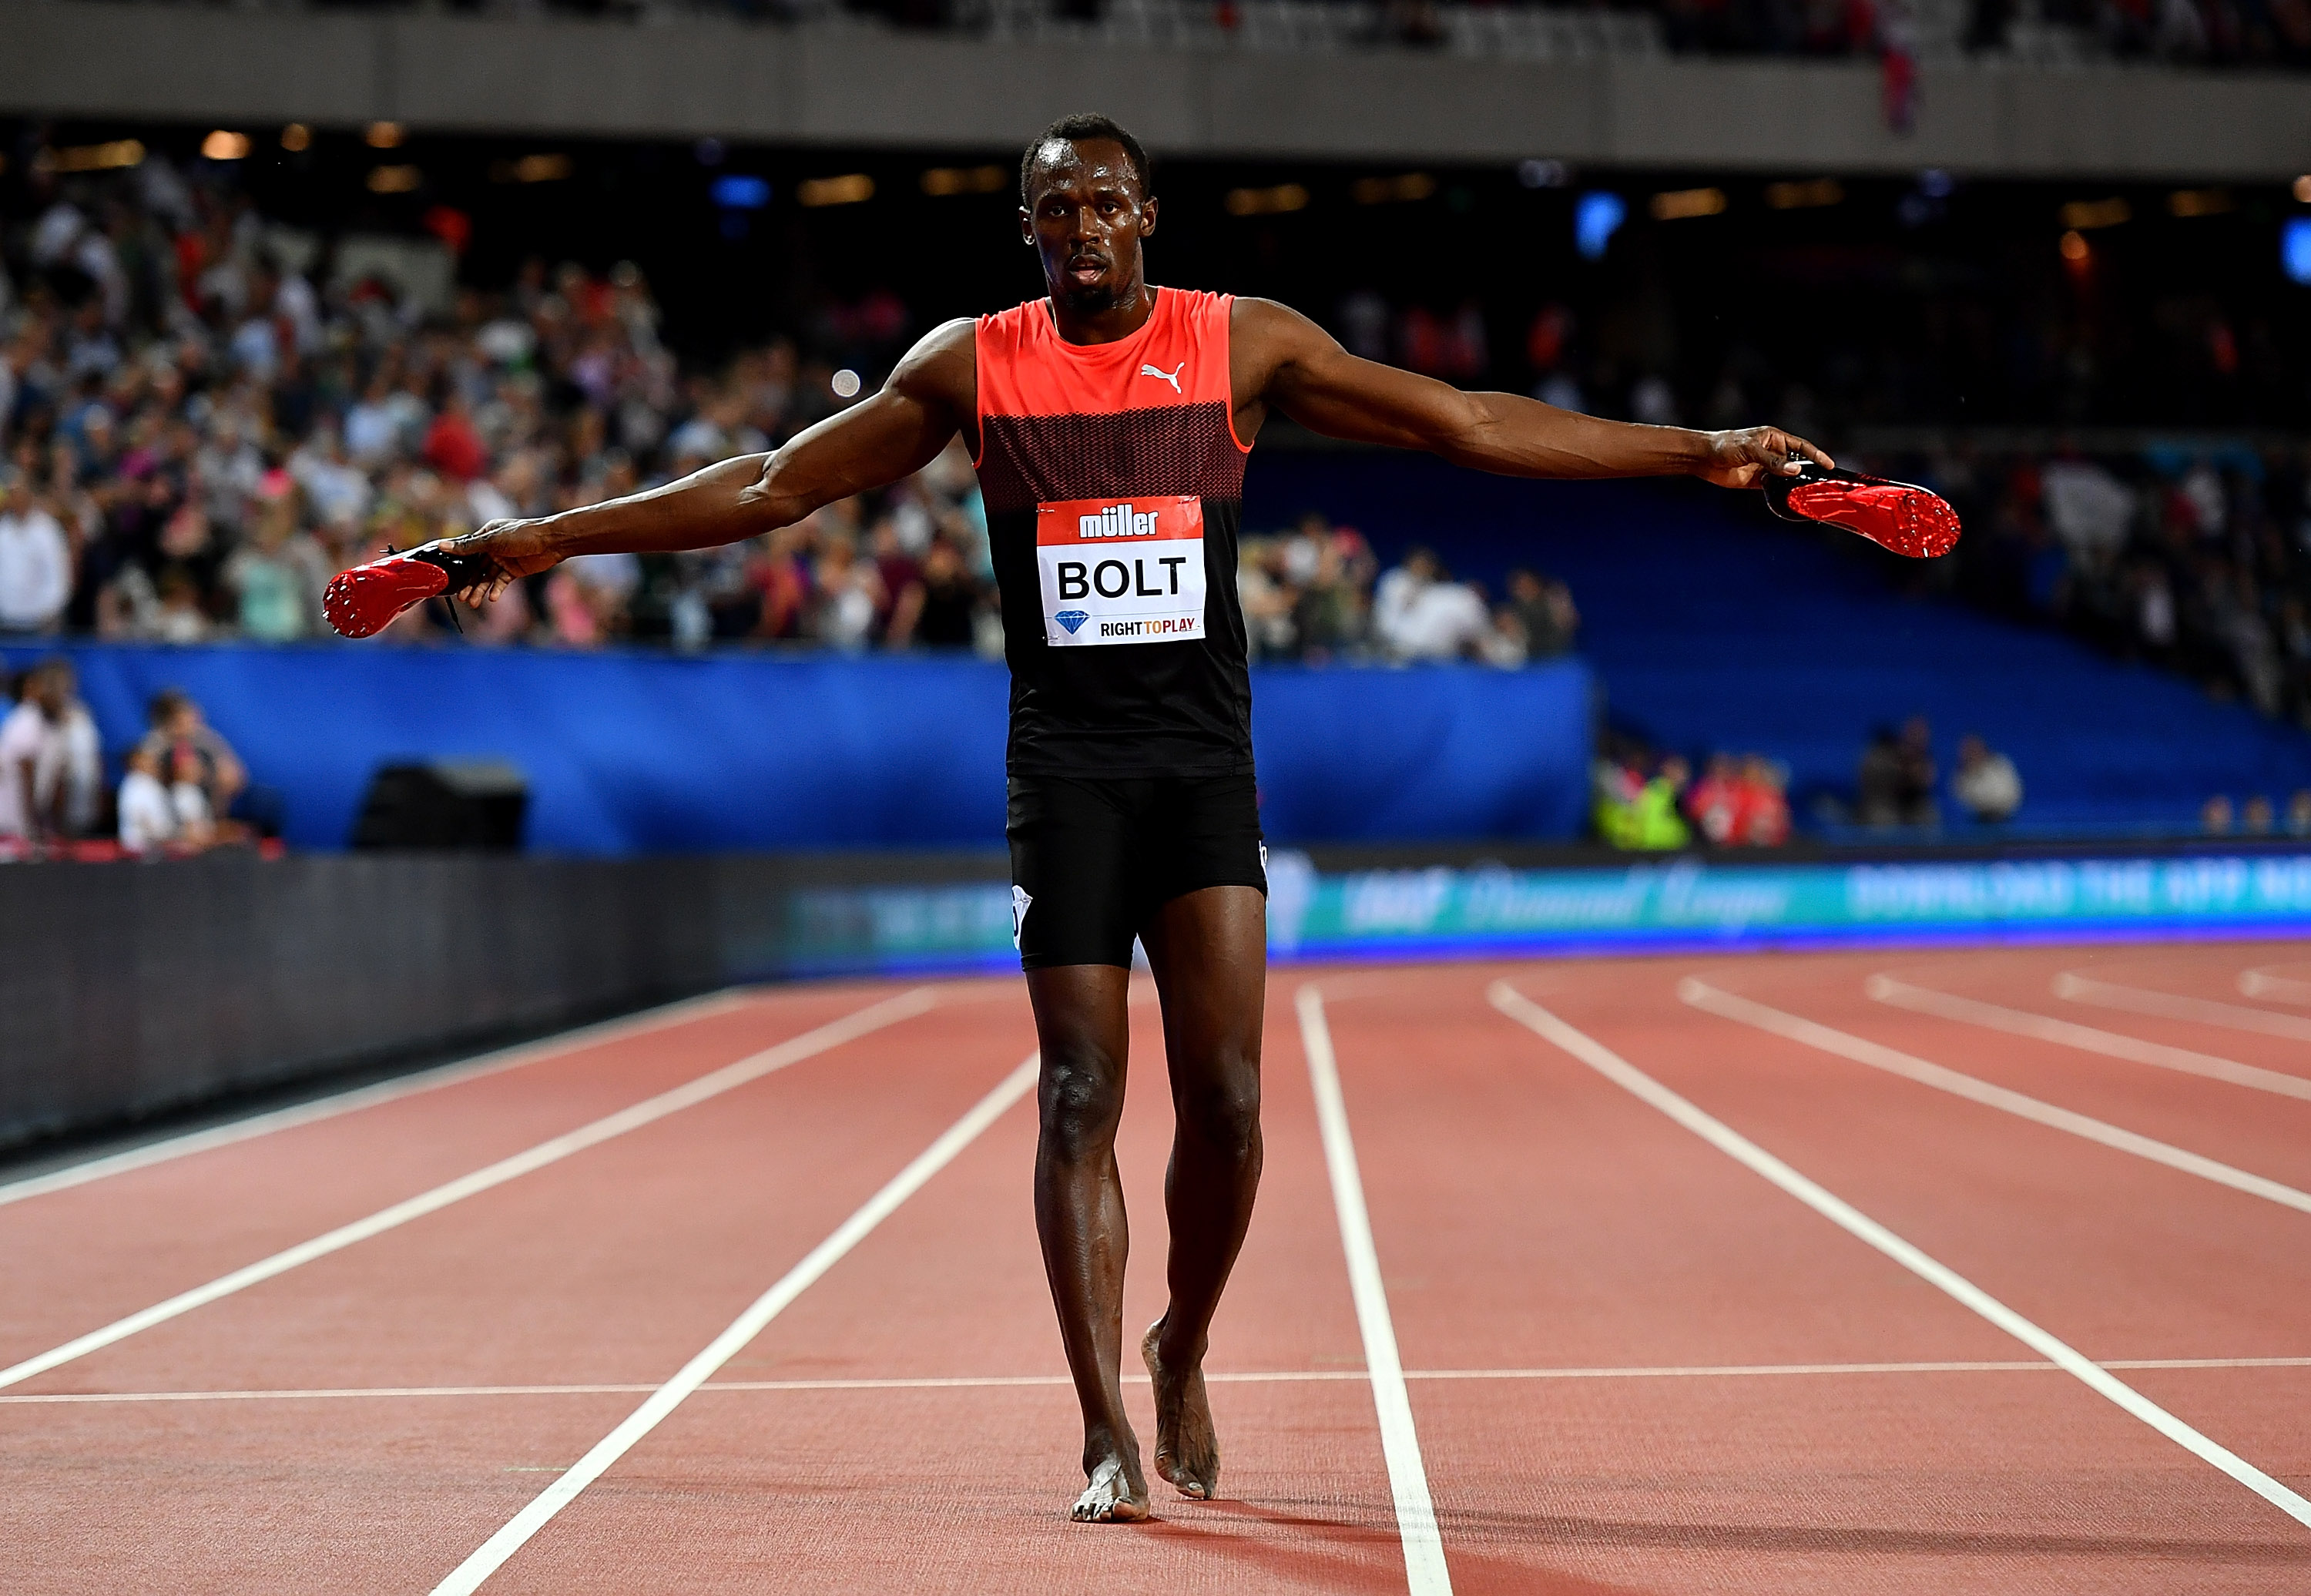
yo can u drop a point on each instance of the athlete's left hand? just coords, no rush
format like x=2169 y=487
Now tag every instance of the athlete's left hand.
x=1737 y=458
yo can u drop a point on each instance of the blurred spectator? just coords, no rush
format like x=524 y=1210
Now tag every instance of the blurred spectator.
x=188 y=798
x=71 y=775
x=2256 y=816
x=27 y=745
x=2299 y=813
x=276 y=578
x=1637 y=811
x=1420 y=612
x=1897 y=777
x=1764 y=815
x=1878 y=780
x=186 y=746
x=148 y=816
x=35 y=560
x=1740 y=802
x=1714 y=802
x=1543 y=607
x=2215 y=816
x=941 y=607
x=1988 y=786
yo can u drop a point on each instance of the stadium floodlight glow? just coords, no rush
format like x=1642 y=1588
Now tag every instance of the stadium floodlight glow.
x=940 y=181
x=115 y=156
x=1804 y=196
x=845 y=384
x=847 y=190
x=541 y=169
x=738 y=193
x=223 y=145
x=296 y=138
x=1384 y=191
x=1267 y=202
x=2295 y=250
x=1596 y=217
x=2199 y=202
x=2083 y=215
x=1677 y=205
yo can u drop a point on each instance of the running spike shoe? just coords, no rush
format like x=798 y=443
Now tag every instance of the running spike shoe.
x=361 y=602
x=1899 y=516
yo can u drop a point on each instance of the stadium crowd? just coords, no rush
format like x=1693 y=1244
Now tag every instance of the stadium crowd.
x=194 y=434
x=2199 y=562
x=194 y=437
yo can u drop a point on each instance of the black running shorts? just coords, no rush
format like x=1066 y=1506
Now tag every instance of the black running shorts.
x=1092 y=860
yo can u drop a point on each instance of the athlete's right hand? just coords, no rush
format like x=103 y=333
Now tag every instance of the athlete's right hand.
x=514 y=548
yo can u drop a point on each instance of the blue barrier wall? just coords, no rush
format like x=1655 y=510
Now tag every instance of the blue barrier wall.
x=633 y=752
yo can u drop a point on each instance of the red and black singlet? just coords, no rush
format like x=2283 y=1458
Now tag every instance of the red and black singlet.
x=1115 y=489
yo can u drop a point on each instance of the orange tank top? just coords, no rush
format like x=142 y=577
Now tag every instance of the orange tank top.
x=1114 y=484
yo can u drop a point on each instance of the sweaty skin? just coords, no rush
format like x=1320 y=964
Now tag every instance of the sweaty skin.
x=1088 y=219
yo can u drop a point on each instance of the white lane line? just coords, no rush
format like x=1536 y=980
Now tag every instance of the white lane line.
x=2020 y=1022
x=648 y=1112
x=2274 y=989
x=1861 y=1050
x=1424 y=1572
x=2173 y=1005
x=492 y=1553
x=1264 y=1377
x=370 y=1096
x=1856 y=1223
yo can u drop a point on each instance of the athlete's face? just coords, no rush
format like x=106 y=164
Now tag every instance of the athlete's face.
x=1086 y=221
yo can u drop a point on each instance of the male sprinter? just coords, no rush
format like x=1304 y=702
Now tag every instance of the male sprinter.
x=1110 y=422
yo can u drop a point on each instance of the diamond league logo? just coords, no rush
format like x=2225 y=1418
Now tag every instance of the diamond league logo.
x=1072 y=619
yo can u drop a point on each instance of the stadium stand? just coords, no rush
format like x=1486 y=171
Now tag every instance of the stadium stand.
x=1713 y=627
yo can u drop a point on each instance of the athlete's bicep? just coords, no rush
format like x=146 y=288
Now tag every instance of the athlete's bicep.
x=893 y=434
x=1302 y=370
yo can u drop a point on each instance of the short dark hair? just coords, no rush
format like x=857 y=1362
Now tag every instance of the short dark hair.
x=162 y=706
x=1075 y=129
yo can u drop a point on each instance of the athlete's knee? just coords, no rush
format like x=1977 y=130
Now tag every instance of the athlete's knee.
x=1223 y=1111
x=1080 y=1099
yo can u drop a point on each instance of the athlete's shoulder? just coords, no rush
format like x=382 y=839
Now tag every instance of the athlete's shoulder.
x=1198 y=301
x=944 y=363
x=1264 y=336
x=1249 y=314
x=1018 y=322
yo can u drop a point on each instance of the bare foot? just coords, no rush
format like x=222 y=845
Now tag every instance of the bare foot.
x=1115 y=1496
x=1187 y=1445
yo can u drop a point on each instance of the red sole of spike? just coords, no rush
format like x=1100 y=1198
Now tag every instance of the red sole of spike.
x=1910 y=522
x=362 y=602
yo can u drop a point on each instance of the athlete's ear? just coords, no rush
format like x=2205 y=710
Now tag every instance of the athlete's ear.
x=1026 y=227
x=1148 y=217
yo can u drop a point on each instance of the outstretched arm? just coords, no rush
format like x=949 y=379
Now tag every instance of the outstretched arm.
x=1283 y=360
x=877 y=442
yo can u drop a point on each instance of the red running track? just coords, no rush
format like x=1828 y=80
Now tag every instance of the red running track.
x=1633 y=1364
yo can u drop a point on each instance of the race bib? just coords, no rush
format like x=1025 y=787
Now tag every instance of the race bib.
x=1120 y=570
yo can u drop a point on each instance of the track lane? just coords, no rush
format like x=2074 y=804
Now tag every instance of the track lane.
x=614 y=1267
x=2206 y=971
x=1603 y=1230
x=967 y=1488
x=83 y=1256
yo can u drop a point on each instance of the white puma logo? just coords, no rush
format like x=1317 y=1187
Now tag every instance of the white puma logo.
x=1171 y=376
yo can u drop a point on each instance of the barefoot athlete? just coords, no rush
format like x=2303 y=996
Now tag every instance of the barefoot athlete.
x=1110 y=422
